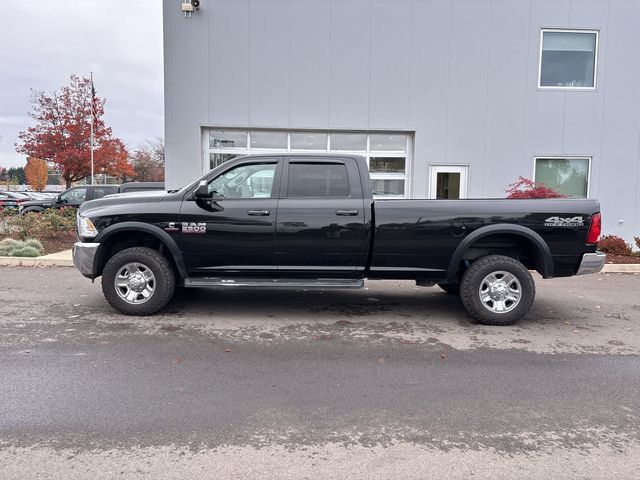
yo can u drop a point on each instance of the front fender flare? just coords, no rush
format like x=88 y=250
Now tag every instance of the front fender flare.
x=545 y=266
x=161 y=235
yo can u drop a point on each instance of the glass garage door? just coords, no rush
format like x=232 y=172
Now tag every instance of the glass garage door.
x=388 y=154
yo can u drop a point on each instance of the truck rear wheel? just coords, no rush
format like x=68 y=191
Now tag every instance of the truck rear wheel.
x=497 y=290
x=138 y=281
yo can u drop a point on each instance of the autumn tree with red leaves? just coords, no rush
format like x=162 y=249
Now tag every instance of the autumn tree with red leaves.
x=36 y=172
x=148 y=162
x=62 y=133
x=525 y=188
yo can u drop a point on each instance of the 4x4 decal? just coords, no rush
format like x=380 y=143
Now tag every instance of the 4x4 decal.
x=564 y=222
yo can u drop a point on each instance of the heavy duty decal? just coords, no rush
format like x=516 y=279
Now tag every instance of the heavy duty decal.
x=564 y=222
x=187 y=227
x=190 y=227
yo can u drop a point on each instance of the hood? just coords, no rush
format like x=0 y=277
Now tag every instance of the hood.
x=120 y=202
x=37 y=203
x=141 y=193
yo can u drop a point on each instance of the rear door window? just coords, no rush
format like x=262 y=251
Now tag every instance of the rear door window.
x=317 y=180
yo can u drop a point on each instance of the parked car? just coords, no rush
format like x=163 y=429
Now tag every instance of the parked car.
x=303 y=221
x=76 y=196
x=7 y=202
x=130 y=187
x=72 y=197
x=40 y=195
x=12 y=199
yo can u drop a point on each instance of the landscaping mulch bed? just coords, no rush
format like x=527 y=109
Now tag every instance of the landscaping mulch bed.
x=59 y=243
x=56 y=244
x=627 y=259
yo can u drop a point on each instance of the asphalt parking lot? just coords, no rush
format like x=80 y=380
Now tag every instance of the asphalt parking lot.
x=389 y=381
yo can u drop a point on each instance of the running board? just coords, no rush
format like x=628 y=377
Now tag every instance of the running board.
x=274 y=282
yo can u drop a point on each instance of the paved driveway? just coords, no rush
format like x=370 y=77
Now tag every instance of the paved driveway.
x=390 y=381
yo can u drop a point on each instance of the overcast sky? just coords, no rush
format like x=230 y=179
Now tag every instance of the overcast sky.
x=42 y=42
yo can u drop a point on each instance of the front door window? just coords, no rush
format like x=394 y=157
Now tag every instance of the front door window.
x=245 y=181
x=74 y=196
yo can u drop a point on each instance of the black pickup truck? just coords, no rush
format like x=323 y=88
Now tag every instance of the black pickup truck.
x=303 y=221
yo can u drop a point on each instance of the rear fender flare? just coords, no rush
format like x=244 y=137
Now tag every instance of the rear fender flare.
x=541 y=246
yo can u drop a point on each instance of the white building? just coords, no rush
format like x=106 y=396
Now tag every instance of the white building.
x=446 y=98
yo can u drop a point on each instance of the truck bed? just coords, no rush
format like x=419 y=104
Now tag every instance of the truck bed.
x=418 y=238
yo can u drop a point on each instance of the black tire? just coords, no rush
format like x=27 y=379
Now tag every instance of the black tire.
x=32 y=209
x=476 y=277
x=450 y=288
x=164 y=281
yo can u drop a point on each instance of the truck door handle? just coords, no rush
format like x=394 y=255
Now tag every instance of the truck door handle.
x=347 y=212
x=259 y=213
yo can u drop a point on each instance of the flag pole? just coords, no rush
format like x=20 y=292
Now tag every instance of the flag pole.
x=92 y=117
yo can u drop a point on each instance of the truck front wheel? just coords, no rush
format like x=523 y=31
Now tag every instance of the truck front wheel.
x=497 y=290
x=138 y=281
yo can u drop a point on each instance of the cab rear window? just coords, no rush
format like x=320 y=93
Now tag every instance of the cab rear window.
x=318 y=180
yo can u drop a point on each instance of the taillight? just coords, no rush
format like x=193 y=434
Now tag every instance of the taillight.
x=594 y=229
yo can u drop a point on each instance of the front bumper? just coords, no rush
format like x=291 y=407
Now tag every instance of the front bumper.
x=591 y=263
x=84 y=255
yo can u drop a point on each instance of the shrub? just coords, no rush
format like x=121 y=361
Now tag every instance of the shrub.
x=32 y=242
x=28 y=226
x=8 y=212
x=25 y=251
x=525 y=188
x=6 y=217
x=7 y=245
x=637 y=239
x=614 y=245
x=44 y=224
x=16 y=248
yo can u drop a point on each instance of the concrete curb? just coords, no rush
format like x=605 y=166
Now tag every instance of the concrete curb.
x=60 y=259
x=63 y=259
x=621 y=268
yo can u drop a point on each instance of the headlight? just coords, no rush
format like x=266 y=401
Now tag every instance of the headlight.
x=86 y=229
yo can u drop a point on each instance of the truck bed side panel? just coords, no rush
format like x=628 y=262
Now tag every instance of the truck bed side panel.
x=417 y=238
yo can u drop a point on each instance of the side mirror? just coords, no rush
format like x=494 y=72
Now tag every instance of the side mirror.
x=202 y=191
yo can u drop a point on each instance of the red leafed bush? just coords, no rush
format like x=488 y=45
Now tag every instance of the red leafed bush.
x=525 y=188
x=614 y=245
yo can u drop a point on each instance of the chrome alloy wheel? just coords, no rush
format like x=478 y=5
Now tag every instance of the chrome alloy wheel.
x=500 y=292
x=135 y=283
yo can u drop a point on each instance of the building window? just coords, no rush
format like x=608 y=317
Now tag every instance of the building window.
x=309 y=141
x=569 y=176
x=388 y=154
x=217 y=159
x=227 y=139
x=269 y=140
x=348 y=142
x=448 y=182
x=568 y=59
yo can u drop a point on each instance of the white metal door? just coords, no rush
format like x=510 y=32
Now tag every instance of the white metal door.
x=448 y=181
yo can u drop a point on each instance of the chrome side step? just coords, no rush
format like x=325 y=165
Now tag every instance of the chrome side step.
x=198 y=282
